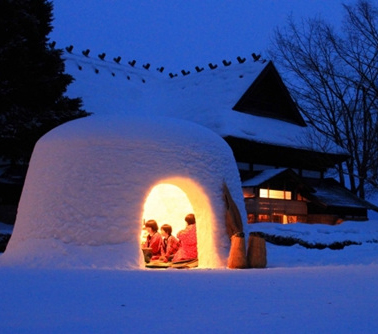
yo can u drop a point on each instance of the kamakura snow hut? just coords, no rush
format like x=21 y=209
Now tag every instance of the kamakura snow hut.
x=89 y=181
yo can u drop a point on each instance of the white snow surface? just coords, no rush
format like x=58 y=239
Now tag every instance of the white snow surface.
x=301 y=291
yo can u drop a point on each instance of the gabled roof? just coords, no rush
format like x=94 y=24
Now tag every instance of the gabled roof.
x=268 y=97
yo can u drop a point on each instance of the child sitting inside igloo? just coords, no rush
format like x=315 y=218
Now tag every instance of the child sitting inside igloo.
x=152 y=246
x=169 y=245
x=188 y=241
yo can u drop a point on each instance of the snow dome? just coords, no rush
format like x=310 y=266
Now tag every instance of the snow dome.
x=92 y=183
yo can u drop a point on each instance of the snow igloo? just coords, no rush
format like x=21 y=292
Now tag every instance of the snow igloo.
x=93 y=182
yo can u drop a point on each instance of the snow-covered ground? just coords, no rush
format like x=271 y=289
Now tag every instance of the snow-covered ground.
x=301 y=291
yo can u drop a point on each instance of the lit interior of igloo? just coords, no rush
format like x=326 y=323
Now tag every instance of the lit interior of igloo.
x=171 y=200
x=167 y=204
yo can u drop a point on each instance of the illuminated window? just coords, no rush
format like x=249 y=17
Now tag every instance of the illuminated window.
x=277 y=194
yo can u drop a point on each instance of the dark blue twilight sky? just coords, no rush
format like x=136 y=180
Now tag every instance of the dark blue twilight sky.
x=178 y=34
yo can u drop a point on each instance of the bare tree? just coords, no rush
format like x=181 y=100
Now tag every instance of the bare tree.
x=333 y=76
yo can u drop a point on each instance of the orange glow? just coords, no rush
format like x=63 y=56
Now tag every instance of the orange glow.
x=167 y=204
x=277 y=194
x=170 y=200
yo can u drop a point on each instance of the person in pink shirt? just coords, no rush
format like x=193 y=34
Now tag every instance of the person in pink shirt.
x=188 y=241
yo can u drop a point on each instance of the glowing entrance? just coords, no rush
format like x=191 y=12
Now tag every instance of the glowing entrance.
x=167 y=204
x=170 y=200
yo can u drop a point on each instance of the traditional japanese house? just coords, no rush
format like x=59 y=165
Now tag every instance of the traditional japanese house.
x=282 y=183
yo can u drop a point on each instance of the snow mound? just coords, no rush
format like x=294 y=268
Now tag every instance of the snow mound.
x=84 y=194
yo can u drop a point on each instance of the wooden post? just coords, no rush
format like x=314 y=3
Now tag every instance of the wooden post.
x=256 y=253
x=237 y=258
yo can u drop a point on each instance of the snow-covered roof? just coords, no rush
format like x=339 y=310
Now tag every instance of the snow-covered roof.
x=206 y=98
x=264 y=176
x=331 y=193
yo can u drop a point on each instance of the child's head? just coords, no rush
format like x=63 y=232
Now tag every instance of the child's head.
x=190 y=219
x=151 y=225
x=166 y=230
